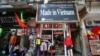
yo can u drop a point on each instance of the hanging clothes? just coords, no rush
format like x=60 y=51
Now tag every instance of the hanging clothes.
x=13 y=39
x=43 y=48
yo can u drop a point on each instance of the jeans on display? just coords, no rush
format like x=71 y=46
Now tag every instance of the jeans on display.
x=37 y=51
x=43 y=53
x=11 y=47
x=31 y=50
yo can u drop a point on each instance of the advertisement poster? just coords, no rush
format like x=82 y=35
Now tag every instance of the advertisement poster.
x=95 y=47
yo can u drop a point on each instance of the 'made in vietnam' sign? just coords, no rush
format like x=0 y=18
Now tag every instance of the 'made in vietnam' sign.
x=57 y=12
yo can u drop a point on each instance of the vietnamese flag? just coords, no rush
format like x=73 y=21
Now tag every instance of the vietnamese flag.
x=96 y=30
x=22 y=24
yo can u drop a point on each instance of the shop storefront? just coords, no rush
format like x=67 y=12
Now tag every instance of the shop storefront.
x=53 y=23
x=92 y=39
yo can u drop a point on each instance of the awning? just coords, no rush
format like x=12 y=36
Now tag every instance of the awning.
x=92 y=16
x=82 y=11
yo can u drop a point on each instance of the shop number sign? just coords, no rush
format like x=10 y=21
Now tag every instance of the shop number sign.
x=57 y=12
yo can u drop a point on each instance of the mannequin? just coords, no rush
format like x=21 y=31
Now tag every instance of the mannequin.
x=12 y=42
x=32 y=43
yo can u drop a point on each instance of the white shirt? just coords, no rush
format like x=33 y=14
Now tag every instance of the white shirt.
x=43 y=46
x=31 y=37
x=50 y=44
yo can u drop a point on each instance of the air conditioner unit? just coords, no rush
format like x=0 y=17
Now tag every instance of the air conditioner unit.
x=89 y=23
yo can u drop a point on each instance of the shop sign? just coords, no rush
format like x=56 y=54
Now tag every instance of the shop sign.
x=20 y=32
x=56 y=12
x=47 y=25
x=57 y=32
x=57 y=25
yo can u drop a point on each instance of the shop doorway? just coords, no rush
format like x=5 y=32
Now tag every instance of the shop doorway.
x=57 y=38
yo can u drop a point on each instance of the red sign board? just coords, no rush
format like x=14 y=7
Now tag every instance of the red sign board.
x=57 y=25
x=57 y=32
x=47 y=25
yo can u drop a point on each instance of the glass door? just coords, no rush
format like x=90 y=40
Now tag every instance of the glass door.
x=58 y=39
x=56 y=33
x=46 y=35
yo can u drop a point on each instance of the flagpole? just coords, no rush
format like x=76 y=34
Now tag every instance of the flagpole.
x=70 y=52
x=65 y=50
x=65 y=47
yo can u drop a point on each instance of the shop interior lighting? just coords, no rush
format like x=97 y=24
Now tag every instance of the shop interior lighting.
x=1 y=30
x=43 y=19
x=4 y=12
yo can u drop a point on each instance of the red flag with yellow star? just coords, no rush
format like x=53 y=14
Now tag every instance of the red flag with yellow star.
x=22 y=24
x=96 y=30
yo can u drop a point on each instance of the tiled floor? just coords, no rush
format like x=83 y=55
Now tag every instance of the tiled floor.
x=77 y=53
x=74 y=54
